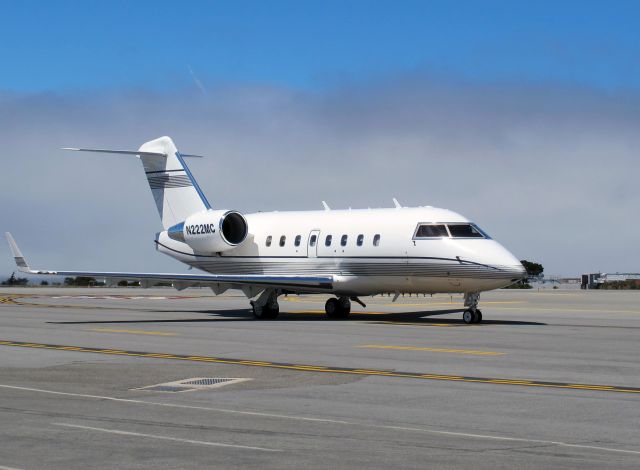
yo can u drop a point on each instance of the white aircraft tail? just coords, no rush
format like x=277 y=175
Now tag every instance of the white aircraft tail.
x=174 y=188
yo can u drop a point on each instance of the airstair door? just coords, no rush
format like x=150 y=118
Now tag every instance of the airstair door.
x=312 y=243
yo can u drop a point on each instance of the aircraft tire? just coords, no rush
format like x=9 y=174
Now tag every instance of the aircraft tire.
x=468 y=317
x=266 y=312
x=478 y=316
x=335 y=310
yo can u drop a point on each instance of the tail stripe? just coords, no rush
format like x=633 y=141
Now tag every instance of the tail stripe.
x=193 y=181
x=162 y=171
x=168 y=181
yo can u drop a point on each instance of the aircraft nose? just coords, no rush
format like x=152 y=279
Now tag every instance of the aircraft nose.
x=514 y=263
x=522 y=271
x=509 y=262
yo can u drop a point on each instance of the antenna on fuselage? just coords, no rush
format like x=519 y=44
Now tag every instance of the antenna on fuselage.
x=396 y=203
x=326 y=206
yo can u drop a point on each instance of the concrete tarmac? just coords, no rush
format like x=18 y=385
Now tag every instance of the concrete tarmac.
x=549 y=379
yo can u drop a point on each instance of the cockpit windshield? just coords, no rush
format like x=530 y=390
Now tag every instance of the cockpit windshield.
x=464 y=231
x=429 y=231
x=446 y=230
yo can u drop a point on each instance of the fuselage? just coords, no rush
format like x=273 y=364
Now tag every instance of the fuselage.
x=367 y=251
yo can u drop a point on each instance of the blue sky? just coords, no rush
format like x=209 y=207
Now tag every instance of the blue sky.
x=88 y=45
x=522 y=116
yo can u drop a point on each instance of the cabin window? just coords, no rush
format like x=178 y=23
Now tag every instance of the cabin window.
x=327 y=241
x=312 y=240
x=296 y=242
x=269 y=238
x=283 y=239
x=431 y=231
x=376 y=239
x=343 y=240
x=464 y=231
x=360 y=240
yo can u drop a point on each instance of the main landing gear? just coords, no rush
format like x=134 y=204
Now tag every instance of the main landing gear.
x=338 y=308
x=266 y=307
x=472 y=314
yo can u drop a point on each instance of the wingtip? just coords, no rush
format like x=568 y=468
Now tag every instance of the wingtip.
x=12 y=242
x=21 y=262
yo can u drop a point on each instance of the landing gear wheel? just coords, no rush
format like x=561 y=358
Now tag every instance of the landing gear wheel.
x=266 y=312
x=478 y=316
x=468 y=317
x=336 y=310
x=345 y=305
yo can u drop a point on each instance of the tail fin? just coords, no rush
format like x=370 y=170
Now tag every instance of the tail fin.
x=174 y=188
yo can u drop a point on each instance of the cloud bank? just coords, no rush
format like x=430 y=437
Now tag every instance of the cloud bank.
x=551 y=171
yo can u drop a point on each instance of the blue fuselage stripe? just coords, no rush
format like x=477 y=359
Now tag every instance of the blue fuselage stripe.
x=193 y=181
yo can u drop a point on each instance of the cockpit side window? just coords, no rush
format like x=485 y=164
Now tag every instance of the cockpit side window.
x=465 y=231
x=431 y=231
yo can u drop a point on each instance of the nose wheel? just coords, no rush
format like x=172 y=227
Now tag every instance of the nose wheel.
x=472 y=316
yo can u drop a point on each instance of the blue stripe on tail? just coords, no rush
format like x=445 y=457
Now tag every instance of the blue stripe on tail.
x=193 y=181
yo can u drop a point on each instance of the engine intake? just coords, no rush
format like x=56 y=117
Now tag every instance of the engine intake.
x=211 y=231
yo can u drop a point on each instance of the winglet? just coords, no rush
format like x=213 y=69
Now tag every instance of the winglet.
x=17 y=254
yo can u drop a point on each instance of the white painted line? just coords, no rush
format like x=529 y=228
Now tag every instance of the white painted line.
x=173 y=405
x=2 y=467
x=164 y=438
x=326 y=420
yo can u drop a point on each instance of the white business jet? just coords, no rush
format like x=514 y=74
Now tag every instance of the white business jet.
x=344 y=253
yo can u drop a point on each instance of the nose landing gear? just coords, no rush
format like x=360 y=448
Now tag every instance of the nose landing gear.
x=472 y=314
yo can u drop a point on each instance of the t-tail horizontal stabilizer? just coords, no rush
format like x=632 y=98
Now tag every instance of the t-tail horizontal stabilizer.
x=129 y=152
x=175 y=190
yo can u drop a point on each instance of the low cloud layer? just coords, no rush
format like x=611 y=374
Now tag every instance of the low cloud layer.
x=550 y=171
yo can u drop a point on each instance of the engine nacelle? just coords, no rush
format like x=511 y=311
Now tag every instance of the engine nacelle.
x=211 y=231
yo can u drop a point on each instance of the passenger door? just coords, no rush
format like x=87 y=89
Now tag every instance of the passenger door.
x=312 y=243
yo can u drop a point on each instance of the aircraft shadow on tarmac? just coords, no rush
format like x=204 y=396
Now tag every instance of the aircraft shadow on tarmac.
x=242 y=315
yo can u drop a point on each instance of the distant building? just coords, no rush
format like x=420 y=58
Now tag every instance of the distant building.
x=594 y=280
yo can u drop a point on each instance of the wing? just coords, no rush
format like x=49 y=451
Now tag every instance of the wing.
x=250 y=284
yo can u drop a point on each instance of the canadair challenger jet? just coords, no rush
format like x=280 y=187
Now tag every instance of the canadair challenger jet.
x=344 y=253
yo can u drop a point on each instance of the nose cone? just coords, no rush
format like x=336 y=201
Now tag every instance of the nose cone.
x=520 y=270
x=498 y=256
x=511 y=263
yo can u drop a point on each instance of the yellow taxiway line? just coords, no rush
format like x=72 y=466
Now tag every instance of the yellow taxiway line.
x=438 y=350
x=332 y=370
x=133 y=332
